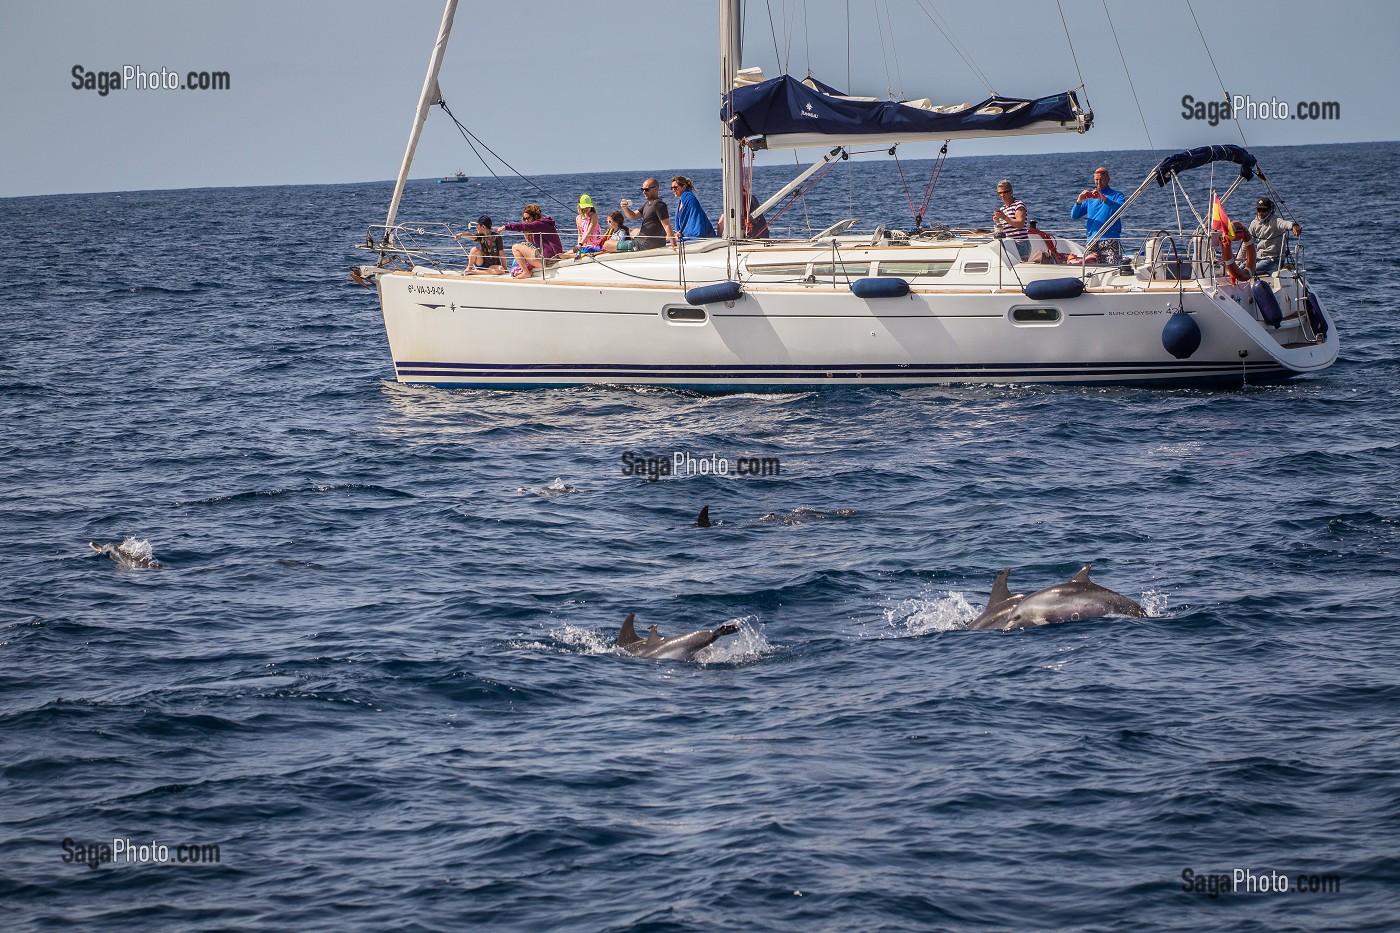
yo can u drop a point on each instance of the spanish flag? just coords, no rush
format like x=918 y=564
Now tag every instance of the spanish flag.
x=1220 y=221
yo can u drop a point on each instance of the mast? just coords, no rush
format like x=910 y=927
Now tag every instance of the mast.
x=429 y=96
x=733 y=213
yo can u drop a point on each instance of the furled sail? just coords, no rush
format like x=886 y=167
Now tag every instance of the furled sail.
x=785 y=113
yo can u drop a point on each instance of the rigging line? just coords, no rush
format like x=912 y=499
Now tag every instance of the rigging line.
x=777 y=56
x=880 y=30
x=907 y=193
x=955 y=45
x=1072 y=55
x=848 y=47
x=807 y=37
x=1223 y=89
x=469 y=136
x=894 y=50
x=1151 y=145
x=789 y=27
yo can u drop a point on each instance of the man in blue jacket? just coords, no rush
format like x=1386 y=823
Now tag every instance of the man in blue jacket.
x=1098 y=204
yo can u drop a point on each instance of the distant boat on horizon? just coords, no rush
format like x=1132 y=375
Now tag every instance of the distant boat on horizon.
x=453 y=179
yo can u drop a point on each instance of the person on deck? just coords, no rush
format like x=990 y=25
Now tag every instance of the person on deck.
x=485 y=256
x=590 y=231
x=655 y=230
x=691 y=220
x=1270 y=232
x=1098 y=204
x=617 y=238
x=1011 y=218
x=541 y=239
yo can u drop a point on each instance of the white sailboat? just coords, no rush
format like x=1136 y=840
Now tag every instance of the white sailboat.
x=892 y=308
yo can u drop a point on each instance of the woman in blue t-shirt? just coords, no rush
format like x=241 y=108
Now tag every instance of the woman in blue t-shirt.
x=691 y=221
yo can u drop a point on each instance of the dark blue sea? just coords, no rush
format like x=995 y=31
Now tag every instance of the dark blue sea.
x=375 y=670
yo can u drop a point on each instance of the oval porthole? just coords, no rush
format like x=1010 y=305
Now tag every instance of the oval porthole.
x=1035 y=315
x=976 y=266
x=686 y=314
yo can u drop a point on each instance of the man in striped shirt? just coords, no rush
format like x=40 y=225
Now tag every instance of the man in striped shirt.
x=1011 y=219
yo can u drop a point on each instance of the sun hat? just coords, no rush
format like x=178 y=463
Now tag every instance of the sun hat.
x=584 y=201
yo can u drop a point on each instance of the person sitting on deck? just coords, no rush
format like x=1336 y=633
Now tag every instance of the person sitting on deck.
x=692 y=222
x=590 y=231
x=1270 y=232
x=485 y=256
x=617 y=238
x=655 y=230
x=542 y=241
x=1044 y=247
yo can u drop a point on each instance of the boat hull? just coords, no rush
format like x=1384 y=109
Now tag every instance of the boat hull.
x=469 y=331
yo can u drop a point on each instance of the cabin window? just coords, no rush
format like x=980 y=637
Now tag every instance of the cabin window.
x=794 y=271
x=930 y=269
x=839 y=271
x=1038 y=315
x=685 y=314
x=978 y=266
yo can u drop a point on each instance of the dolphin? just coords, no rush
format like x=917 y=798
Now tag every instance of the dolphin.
x=1080 y=598
x=128 y=555
x=1001 y=604
x=677 y=648
x=703 y=519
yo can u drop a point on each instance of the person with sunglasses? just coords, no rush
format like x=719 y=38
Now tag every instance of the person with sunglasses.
x=691 y=220
x=1270 y=232
x=1012 y=218
x=655 y=230
x=542 y=241
x=1096 y=205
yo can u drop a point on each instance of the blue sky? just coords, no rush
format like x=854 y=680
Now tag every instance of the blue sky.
x=323 y=92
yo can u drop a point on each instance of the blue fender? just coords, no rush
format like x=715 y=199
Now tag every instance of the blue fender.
x=714 y=294
x=1052 y=289
x=1315 y=318
x=886 y=286
x=1263 y=296
x=1181 y=336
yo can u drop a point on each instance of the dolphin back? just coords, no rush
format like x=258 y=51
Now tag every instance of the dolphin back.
x=628 y=634
x=1079 y=598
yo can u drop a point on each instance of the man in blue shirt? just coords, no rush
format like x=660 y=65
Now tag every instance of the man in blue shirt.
x=1099 y=203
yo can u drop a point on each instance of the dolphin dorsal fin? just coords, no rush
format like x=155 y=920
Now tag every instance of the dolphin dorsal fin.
x=628 y=635
x=703 y=519
x=1082 y=576
x=653 y=637
x=999 y=591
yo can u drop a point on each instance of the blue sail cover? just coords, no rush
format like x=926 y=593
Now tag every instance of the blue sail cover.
x=784 y=112
x=1204 y=155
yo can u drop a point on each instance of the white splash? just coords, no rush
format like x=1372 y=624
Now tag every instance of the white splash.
x=133 y=553
x=556 y=488
x=924 y=615
x=1155 y=603
x=136 y=548
x=743 y=647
